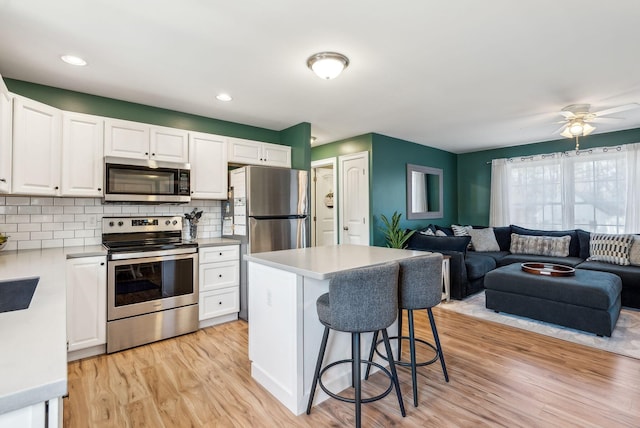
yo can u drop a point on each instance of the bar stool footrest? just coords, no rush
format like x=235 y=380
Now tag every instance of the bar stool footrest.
x=351 y=400
x=408 y=363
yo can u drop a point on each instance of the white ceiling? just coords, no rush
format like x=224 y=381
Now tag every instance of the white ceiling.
x=459 y=75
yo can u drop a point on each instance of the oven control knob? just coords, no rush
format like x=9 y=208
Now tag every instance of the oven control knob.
x=120 y=223
x=168 y=222
x=174 y=222
x=111 y=224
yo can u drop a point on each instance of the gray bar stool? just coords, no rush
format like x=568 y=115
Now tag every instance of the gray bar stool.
x=420 y=287
x=359 y=301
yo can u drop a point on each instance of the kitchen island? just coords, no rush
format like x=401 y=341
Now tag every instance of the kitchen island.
x=284 y=330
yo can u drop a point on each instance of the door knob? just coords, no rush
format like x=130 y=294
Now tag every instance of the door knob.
x=345 y=228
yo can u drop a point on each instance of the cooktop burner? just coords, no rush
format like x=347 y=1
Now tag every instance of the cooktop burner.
x=135 y=234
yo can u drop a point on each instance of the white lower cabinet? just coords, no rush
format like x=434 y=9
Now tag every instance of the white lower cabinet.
x=40 y=415
x=86 y=306
x=219 y=284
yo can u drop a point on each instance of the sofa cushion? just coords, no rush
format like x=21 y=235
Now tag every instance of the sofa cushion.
x=496 y=255
x=630 y=275
x=484 y=239
x=478 y=264
x=523 y=258
x=438 y=243
x=556 y=246
x=610 y=248
x=503 y=236
x=574 y=245
x=583 y=239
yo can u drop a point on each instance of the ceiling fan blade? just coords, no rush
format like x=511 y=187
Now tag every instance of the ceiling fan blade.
x=605 y=119
x=567 y=114
x=557 y=131
x=618 y=109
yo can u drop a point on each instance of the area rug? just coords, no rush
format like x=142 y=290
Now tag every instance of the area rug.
x=625 y=339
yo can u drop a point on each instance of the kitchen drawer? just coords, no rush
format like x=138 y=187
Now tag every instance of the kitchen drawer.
x=219 y=302
x=219 y=275
x=219 y=254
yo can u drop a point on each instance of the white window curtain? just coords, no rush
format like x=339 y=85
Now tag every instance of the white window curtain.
x=632 y=220
x=592 y=189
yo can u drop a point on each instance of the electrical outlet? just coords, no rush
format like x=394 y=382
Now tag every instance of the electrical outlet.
x=92 y=221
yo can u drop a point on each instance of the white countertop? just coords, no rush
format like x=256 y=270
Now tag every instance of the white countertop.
x=321 y=262
x=33 y=353
x=216 y=242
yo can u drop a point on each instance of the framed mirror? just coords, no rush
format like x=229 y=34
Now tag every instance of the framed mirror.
x=424 y=192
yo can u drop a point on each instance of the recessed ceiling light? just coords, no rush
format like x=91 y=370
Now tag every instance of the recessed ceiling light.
x=73 y=60
x=223 y=97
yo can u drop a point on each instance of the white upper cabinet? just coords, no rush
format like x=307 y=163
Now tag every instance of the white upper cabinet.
x=5 y=138
x=169 y=144
x=36 y=148
x=258 y=153
x=208 y=159
x=82 y=161
x=136 y=140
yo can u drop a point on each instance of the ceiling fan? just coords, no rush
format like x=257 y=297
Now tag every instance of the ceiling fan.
x=577 y=118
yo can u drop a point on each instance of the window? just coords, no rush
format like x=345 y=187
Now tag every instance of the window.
x=586 y=190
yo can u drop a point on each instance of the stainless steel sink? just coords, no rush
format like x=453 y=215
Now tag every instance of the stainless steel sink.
x=16 y=294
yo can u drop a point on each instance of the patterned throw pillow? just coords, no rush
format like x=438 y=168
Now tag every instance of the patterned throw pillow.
x=556 y=246
x=484 y=239
x=427 y=232
x=634 y=253
x=461 y=230
x=440 y=233
x=610 y=248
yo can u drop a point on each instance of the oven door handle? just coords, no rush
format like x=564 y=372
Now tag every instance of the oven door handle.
x=146 y=254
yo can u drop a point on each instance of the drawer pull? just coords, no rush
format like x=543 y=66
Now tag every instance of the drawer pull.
x=219 y=303
x=220 y=253
x=220 y=276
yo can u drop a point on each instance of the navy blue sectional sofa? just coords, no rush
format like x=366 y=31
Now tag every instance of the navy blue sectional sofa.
x=468 y=267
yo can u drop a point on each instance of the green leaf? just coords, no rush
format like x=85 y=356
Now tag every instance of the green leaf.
x=396 y=237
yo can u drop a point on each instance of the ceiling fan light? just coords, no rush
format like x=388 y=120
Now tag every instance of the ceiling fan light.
x=588 y=129
x=327 y=65
x=576 y=128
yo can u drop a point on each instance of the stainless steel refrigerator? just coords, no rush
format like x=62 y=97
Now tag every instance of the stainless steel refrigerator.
x=267 y=210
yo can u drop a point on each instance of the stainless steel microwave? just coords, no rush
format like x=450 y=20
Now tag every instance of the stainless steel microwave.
x=146 y=181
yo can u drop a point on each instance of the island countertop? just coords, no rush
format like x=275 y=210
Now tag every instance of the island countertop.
x=322 y=262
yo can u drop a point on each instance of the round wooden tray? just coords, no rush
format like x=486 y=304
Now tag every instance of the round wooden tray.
x=548 y=269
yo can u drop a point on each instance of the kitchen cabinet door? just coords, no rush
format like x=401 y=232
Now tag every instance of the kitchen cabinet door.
x=86 y=302
x=82 y=161
x=36 y=148
x=276 y=155
x=169 y=144
x=5 y=138
x=208 y=159
x=126 y=139
x=249 y=152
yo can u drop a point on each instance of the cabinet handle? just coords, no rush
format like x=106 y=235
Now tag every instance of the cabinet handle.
x=4 y=180
x=146 y=153
x=220 y=253
x=153 y=154
x=99 y=189
x=102 y=264
x=57 y=187
x=220 y=276
x=219 y=303
x=345 y=228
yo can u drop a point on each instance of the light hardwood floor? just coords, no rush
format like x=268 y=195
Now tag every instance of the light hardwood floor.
x=499 y=376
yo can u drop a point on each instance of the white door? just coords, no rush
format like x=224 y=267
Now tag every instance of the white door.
x=354 y=198
x=324 y=225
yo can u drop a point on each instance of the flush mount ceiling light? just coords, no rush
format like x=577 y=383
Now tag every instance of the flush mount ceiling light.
x=223 y=97
x=73 y=60
x=327 y=65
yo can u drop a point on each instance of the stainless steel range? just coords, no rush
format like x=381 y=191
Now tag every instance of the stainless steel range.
x=152 y=280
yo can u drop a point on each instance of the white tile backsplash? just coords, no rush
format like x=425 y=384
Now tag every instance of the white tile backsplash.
x=43 y=222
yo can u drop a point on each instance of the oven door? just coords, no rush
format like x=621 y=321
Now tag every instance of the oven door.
x=139 y=286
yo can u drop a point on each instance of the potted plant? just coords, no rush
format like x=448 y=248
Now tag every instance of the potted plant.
x=396 y=236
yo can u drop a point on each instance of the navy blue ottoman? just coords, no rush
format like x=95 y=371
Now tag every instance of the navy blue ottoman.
x=589 y=301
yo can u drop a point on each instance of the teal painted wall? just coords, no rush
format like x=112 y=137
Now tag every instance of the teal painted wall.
x=108 y=107
x=388 y=159
x=389 y=183
x=299 y=138
x=474 y=174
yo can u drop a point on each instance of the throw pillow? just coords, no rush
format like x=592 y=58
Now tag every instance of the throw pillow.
x=461 y=230
x=440 y=233
x=540 y=245
x=634 y=253
x=427 y=232
x=484 y=239
x=610 y=248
